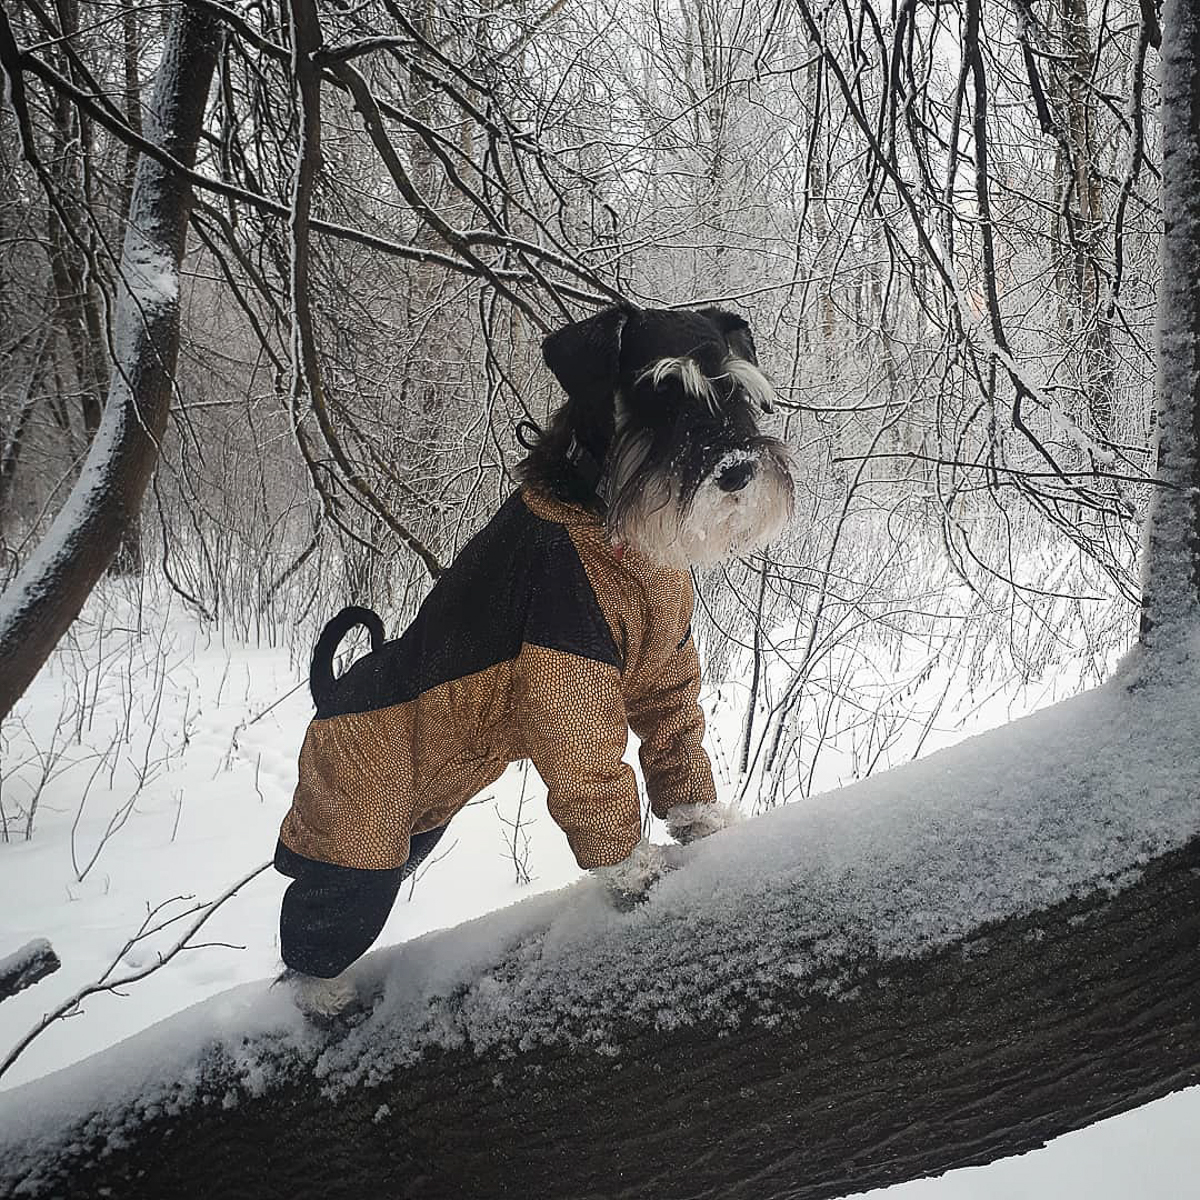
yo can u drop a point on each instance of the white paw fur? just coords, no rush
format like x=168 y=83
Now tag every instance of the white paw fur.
x=321 y=998
x=690 y=822
x=629 y=880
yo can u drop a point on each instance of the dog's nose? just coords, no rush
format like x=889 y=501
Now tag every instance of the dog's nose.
x=735 y=477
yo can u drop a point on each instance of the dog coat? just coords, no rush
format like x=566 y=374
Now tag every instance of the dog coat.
x=542 y=641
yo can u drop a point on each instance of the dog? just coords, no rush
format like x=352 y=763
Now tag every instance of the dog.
x=562 y=625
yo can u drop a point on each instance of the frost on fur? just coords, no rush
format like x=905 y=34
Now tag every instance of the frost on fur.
x=629 y=880
x=690 y=822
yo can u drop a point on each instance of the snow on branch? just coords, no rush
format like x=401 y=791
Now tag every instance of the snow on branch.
x=27 y=966
x=934 y=967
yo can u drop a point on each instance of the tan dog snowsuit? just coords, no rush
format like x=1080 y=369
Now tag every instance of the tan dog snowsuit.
x=542 y=641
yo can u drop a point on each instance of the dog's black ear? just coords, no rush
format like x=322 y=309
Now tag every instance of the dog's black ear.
x=586 y=356
x=736 y=330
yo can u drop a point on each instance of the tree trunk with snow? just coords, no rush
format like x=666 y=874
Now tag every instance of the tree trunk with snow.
x=1171 y=601
x=41 y=603
x=871 y=1071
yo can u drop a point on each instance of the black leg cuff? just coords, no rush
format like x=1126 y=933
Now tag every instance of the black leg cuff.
x=330 y=914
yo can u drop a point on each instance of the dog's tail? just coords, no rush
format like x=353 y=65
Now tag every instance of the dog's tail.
x=320 y=672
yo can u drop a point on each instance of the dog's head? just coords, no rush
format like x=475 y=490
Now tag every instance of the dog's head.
x=661 y=428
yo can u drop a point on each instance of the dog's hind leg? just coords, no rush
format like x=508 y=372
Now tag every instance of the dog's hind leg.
x=330 y=917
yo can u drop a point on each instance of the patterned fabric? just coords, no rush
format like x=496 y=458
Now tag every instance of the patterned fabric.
x=649 y=610
x=542 y=641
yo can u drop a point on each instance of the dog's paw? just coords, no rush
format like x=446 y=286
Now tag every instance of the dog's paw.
x=321 y=1000
x=628 y=881
x=690 y=822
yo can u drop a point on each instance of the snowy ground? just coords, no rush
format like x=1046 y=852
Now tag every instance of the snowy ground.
x=163 y=777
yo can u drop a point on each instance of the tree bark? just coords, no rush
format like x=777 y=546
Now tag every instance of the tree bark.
x=131 y=63
x=14 y=440
x=53 y=585
x=1082 y=271
x=70 y=239
x=128 y=558
x=1025 y=1030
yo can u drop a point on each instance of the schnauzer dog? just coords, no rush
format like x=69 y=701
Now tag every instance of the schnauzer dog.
x=564 y=623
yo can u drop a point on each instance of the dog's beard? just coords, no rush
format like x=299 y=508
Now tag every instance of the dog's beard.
x=717 y=524
x=651 y=513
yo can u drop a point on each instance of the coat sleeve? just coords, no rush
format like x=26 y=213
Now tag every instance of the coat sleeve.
x=665 y=713
x=571 y=715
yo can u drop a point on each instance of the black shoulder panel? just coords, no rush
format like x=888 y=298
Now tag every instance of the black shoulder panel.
x=564 y=613
x=519 y=579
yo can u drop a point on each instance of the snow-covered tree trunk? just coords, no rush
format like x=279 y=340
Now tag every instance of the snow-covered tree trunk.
x=1171 y=603
x=41 y=603
x=556 y=1053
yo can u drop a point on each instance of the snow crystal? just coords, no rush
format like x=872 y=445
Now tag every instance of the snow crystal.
x=733 y=458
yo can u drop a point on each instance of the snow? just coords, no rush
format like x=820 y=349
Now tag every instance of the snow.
x=1003 y=823
x=150 y=274
x=731 y=458
x=149 y=269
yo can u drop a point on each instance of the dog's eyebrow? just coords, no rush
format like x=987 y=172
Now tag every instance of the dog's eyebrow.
x=688 y=372
x=752 y=381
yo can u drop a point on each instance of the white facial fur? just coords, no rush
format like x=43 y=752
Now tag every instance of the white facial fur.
x=688 y=372
x=715 y=524
x=751 y=380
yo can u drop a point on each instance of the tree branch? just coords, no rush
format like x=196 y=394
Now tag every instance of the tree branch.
x=306 y=368
x=876 y=1072
x=29 y=965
